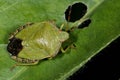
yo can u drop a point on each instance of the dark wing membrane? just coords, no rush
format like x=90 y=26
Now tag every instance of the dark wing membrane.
x=14 y=46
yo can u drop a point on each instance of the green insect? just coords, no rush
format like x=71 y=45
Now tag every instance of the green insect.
x=37 y=41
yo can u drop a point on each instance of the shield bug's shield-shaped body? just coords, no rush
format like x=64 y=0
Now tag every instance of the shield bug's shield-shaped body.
x=36 y=42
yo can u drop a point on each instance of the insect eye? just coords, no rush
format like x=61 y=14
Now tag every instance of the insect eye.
x=15 y=46
x=75 y=12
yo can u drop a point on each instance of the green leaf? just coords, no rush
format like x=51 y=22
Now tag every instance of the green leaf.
x=104 y=28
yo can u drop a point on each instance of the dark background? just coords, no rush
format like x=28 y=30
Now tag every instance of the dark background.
x=104 y=66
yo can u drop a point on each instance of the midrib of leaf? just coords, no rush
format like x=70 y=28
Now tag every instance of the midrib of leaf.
x=88 y=13
x=92 y=9
x=4 y=9
x=18 y=73
x=66 y=75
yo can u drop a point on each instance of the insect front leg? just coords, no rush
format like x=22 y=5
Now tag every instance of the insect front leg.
x=63 y=50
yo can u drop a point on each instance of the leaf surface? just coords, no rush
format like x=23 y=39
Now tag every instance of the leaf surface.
x=104 y=28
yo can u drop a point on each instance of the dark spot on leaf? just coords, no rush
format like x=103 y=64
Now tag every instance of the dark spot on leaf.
x=75 y=12
x=84 y=24
x=14 y=46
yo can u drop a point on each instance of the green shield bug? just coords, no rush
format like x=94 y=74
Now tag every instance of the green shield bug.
x=36 y=42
